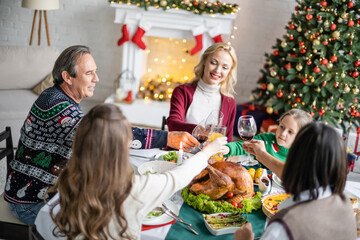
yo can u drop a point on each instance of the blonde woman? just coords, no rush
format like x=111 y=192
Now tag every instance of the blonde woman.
x=211 y=89
x=99 y=197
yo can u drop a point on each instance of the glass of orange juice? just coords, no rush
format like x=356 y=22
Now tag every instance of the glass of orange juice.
x=215 y=132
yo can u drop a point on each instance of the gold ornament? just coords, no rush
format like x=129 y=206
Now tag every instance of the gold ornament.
x=314 y=51
x=163 y=3
x=336 y=34
x=343 y=75
x=299 y=67
x=346 y=88
x=270 y=62
x=252 y=98
x=326 y=23
x=318 y=89
x=355 y=90
x=329 y=65
x=283 y=44
x=273 y=73
x=270 y=87
x=299 y=29
x=339 y=121
x=269 y=110
x=316 y=42
x=312 y=80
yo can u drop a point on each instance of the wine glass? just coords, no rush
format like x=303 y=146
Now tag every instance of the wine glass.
x=215 y=118
x=247 y=130
x=201 y=133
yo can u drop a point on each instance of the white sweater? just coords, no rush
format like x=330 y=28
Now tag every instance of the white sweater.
x=148 y=191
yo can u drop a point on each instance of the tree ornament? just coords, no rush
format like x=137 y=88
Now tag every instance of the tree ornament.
x=350 y=53
x=323 y=3
x=346 y=89
x=339 y=121
x=297 y=100
x=163 y=3
x=355 y=90
x=270 y=87
x=305 y=80
x=324 y=84
x=316 y=69
x=299 y=67
x=324 y=61
x=329 y=65
x=342 y=75
x=325 y=42
x=355 y=74
x=279 y=94
x=333 y=58
x=269 y=110
x=357 y=63
x=291 y=26
x=309 y=17
x=276 y=52
x=302 y=50
x=332 y=26
x=321 y=111
x=299 y=29
x=291 y=37
x=336 y=85
x=336 y=34
x=351 y=23
x=350 y=4
x=326 y=23
x=308 y=62
x=316 y=42
x=283 y=44
x=344 y=15
x=273 y=73
x=263 y=86
x=318 y=89
x=287 y=66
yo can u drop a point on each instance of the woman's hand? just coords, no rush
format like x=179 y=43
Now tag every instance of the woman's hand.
x=244 y=232
x=218 y=145
x=188 y=141
x=254 y=147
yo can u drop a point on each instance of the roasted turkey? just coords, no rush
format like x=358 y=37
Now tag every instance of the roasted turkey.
x=220 y=177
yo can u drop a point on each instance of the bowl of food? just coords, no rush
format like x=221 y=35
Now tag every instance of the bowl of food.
x=223 y=223
x=270 y=202
x=172 y=156
x=153 y=167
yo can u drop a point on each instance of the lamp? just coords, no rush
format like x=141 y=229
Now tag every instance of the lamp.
x=42 y=6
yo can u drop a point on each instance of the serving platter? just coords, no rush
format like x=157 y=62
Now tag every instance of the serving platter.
x=162 y=219
x=270 y=202
x=221 y=231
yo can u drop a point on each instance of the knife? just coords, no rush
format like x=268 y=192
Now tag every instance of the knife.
x=176 y=217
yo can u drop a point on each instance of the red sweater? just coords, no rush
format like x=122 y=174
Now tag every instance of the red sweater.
x=180 y=101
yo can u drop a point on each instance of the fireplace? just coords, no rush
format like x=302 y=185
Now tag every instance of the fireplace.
x=177 y=27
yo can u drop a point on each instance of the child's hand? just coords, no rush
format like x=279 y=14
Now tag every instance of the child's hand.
x=215 y=146
x=254 y=147
x=244 y=232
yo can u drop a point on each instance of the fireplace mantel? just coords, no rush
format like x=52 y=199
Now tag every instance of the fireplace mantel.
x=171 y=23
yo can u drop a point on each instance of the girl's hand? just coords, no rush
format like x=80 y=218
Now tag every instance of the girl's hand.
x=244 y=232
x=254 y=147
x=215 y=146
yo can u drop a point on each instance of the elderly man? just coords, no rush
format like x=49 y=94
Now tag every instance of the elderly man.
x=47 y=133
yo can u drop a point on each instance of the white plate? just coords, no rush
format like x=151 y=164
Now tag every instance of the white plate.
x=220 y=231
x=161 y=155
x=277 y=180
x=156 y=166
x=162 y=219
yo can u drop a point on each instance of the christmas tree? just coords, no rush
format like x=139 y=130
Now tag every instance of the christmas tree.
x=315 y=66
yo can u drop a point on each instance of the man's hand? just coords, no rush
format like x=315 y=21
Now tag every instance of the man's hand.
x=188 y=141
x=244 y=232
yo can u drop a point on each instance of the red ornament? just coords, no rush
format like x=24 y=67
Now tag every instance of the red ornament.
x=282 y=78
x=287 y=66
x=323 y=3
x=350 y=23
x=252 y=108
x=321 y=111
x=308 y=62
x=279 y=94
x=318 y=18
x=336 y=85
x=297 y=7
x=333 y=58
x=291 y=26
x=302 y=50
x=297 y=99
x=292 y=55
x=263 y=86
x=324 y=84
x=324 y=61
x=314 y=107
x=357 y=114
x=355 y=74
x=356 y=100
x=352 y=111
x=260 y=94
x=312 y=114
x=291 y=37
x=357 y=63
x=293 y=89
x=304 y=80
x=341 y=106
x=276 y=52
x=325 y=42
x=195 y=3
x=309 y=16
x=333 y=26
x=350 y=4
x=350 y=53
x=316 y=69
x=301 y=43
x=297 y=13
x=276 y=112
x=260 y=79
x=309 y=9
x=358 y=21
x=129 y=97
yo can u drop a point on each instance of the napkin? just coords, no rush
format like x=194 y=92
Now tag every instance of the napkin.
x=148 y=227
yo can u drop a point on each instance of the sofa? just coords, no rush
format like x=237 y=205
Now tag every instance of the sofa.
x=24 y=69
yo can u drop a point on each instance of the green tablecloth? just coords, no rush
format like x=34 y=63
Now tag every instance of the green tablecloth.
x=180 y=231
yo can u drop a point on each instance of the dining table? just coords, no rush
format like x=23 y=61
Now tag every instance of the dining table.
x=179 y=231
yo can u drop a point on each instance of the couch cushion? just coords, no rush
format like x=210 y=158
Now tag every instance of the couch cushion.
x=44 y=84
x=22 y=67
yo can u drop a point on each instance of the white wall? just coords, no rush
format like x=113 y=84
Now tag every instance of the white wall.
x=90 y=23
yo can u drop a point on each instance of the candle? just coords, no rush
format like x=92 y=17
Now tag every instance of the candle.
x=180 y=154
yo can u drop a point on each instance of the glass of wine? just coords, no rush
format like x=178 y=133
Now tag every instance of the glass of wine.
x=201 y=133
x=247 y=130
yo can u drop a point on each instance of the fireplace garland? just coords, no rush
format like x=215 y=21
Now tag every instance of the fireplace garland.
x=195 y=6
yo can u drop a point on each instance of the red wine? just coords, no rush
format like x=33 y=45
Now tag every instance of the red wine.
x=246 y=136
x=201 y=138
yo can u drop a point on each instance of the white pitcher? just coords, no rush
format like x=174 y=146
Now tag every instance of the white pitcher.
x=264 y=183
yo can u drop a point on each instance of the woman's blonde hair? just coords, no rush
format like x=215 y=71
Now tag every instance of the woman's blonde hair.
x=98 y=177
x=226 y=86
x=301 y=117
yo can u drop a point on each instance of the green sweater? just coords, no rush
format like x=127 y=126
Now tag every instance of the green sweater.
x=270 y=144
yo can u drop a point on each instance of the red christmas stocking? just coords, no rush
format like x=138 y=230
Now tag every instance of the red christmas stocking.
x=137 y=38
x=217 y=38
x=125 y=35
x=199 y=44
